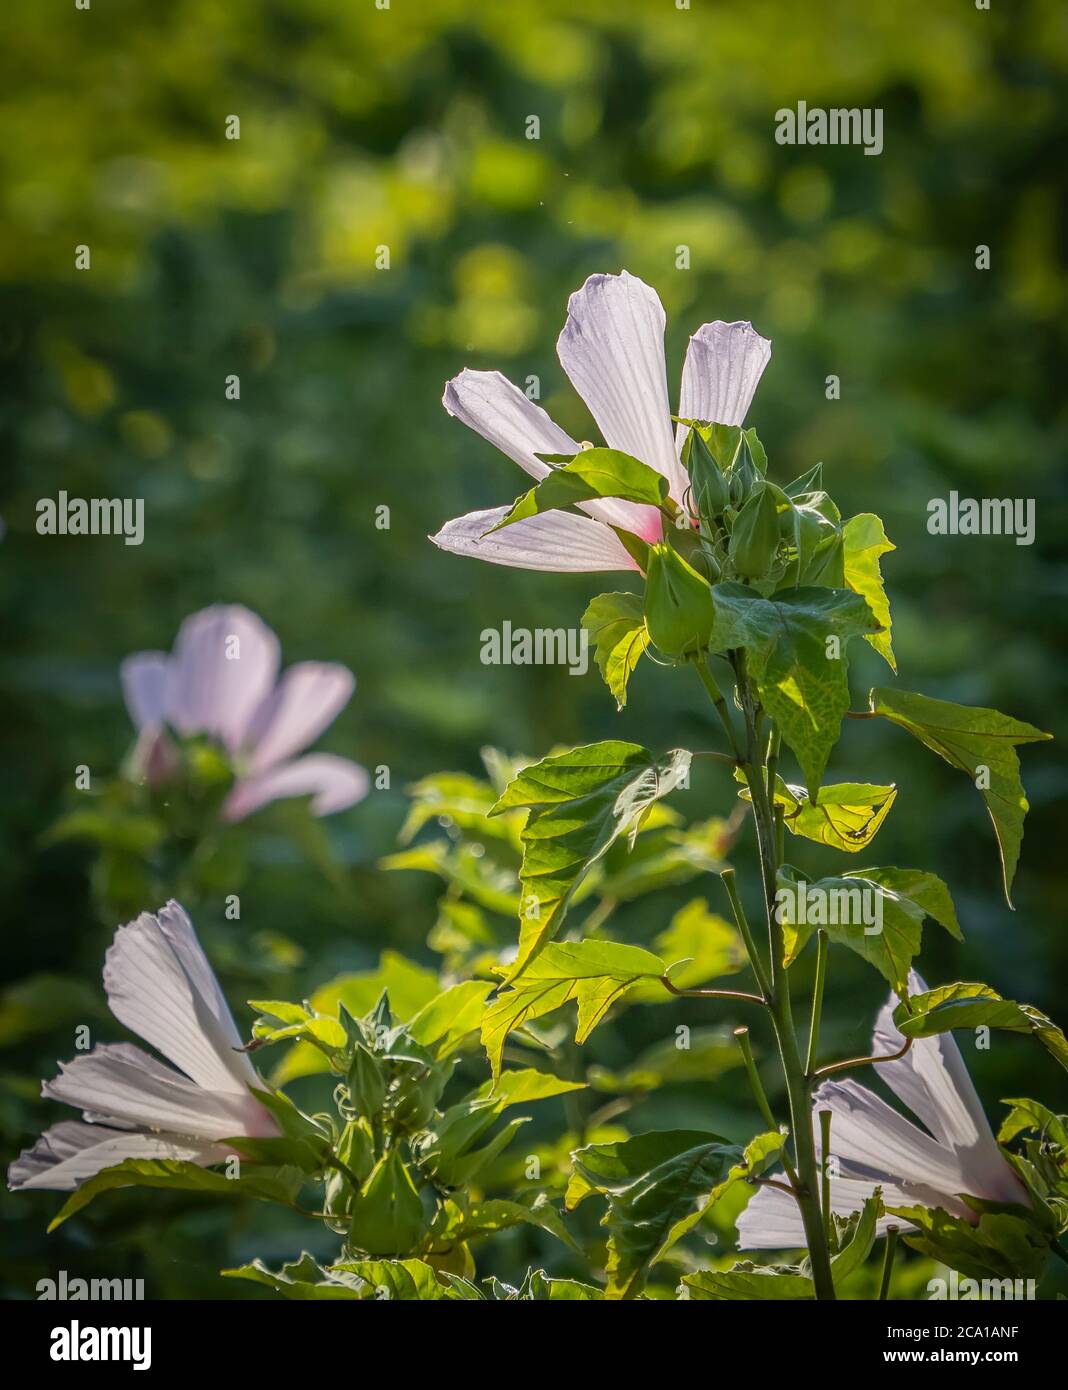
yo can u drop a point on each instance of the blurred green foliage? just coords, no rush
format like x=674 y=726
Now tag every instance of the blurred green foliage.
x=363 y=128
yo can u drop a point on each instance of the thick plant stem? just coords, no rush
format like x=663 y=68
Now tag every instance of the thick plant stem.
x=797 y=1089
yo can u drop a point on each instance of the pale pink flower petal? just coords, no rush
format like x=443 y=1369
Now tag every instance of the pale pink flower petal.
x=333 y=783
x=875 y=1146
x=495 y=408
x=154 y=759
x=119 y=1084
x=71 y=1152
x=934 y=1083
x=144 y=688
x=612 y=348
x=870 y=1138
x=305 y=701
x=225 y=662
x=556 y=541
x=490 y=404
x=724 y=364
x=772 y=1219
x=160 y=985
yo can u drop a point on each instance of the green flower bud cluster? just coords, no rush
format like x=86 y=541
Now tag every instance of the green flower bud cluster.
x=737 y=525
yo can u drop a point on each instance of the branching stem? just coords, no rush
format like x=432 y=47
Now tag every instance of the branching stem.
x=836 y=1067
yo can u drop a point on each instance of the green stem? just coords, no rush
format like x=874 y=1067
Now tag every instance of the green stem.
x=782 y=1015
x=888 y=1263
x=852 y=1062
x=755 y=1084
x=757 y=1087
x=708 y=680
x=742 y=923
x=741 y=994
x=817 y=1002
x=825 y=1176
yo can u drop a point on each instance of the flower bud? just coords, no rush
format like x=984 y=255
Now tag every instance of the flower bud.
x=678 y=604
x=755 y=538
x=709 y=491
x=367 y=1083
x=693 y=550
x=387 y=1215
x=744 y=474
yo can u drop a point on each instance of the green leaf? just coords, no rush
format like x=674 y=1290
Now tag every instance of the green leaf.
x=760 y=1154
x=446 y=1020
x=662 y=856
x=884 y=925
x=111 y=827
x=591 y=474
x=596 y=974
x=616 y=622
x=651 y=1182
x=296 y=1024
x=303 y=1281
x=536 y=1287
x=402 y=1281
x=812 y=481
x=925 y=889
x=307 y=1154
x=879 y=926
x=975 y=1006
x=747 y=1281
x=864 y=541
x=858 y=1248
x=408 y=985
x=523 y=1085
x=981 y=743
x=1027 y=1116
x=845 y=816
x=445 y=1148
x=458 y=1223
x=801 y=674
x=580 y=803
x=465 y=867
x=1000 y=1245
x=266 y=1184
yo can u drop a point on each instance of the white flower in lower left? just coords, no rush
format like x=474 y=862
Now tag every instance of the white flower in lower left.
x=160 y=985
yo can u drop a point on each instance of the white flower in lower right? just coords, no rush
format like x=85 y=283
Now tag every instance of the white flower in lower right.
x=876 y=1146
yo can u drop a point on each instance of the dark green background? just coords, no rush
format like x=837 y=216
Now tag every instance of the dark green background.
x=405 y=127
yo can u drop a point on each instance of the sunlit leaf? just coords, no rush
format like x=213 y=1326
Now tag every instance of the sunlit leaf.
x=592 y=473
x=981 y=743
x=616 y=623
x=651 y=1182
x=864 y=541
x=267 y=1184
x=596 y=974
x=580 y=803
x=975 y=1006
x=797 y=647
